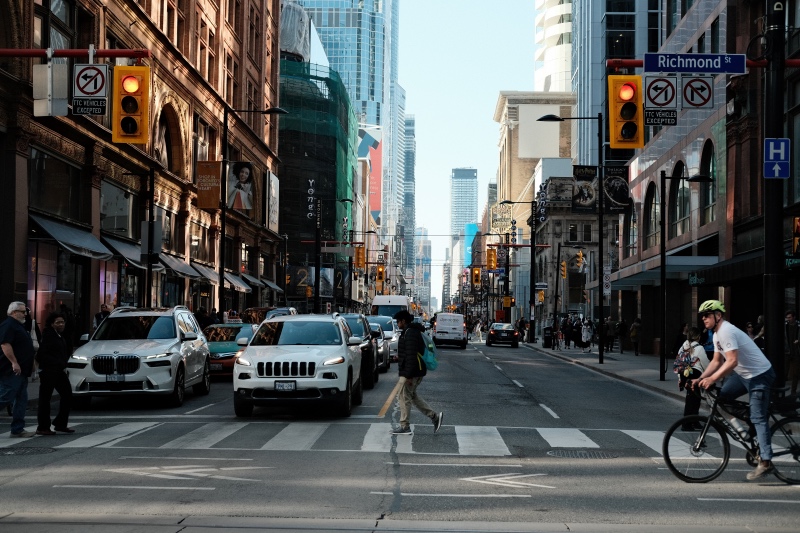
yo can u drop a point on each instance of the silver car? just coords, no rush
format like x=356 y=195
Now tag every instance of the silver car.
x=153 y=351
x=390 y=330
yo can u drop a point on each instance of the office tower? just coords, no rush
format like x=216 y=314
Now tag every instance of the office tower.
x=463 y=202
x=422 y=274
x=408 y=216
x=552 y=70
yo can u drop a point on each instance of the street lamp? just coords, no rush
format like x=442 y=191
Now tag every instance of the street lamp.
x=599 y=119
x=223 y=205
x=698 y=178
x=318 y=249
x=531 y=303
x=285 y=238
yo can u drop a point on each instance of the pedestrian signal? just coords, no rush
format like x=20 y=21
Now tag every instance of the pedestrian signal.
x=476 y=276
x=563 y=269
x=796 y=235
x=130 y=114
x=541 y=296
x=361 y=260
x=381 y=274
x=579 y=260
x=491 y=259
x=626 y=118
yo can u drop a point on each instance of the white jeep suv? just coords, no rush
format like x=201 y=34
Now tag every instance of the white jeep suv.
x=297 y=360
x=142 y=351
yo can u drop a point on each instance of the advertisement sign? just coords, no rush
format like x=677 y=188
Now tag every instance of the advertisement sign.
x=208 y=184
x=584 y=198
x=241 y=189
x=370 y=148
x=616 y=189
x=470 y=230
x=501 y=218
x=273 y=199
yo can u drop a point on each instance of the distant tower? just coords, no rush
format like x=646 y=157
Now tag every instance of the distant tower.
x=408 y=217
x=463 y=202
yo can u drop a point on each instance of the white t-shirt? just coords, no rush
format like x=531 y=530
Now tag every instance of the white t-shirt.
x=752 y=361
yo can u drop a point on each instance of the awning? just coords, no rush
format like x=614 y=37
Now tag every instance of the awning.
x=648 y=272
x=253 y=282
x=740 y=266
x=206 y=273
x=131 y=252
x=74 y=240
x=272 y=286
x=237 y=283
x=179 y=266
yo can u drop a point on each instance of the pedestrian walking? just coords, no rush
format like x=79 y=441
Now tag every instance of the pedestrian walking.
x=99 y=317
x=608 y=330
x=478 y=330
x=622 y=332
x=633 y=334
x=521 y=325
x=16 y=365
x=698 y=363
x=53 y=357
x=412 y=369
x=586 y=335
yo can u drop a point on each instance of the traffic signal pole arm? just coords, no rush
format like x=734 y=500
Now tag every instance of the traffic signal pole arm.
x=74 y=53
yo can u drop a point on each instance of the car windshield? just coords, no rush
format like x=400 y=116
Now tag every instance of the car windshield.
x=297 y=332
x=502 y=326
x=356 y=325
x=228 y=333
x=387 y=310
x=136 y=327
x=385 y=322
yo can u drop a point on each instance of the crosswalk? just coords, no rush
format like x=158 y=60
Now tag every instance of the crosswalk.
x=487 y=441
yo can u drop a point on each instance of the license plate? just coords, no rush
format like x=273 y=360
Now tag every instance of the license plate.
x=216 y=366
x=115 y=377
x=285 y=385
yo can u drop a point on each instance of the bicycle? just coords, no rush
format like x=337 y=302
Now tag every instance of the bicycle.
x=700 y=454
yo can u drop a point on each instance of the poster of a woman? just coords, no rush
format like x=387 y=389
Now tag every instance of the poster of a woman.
x=240 y=186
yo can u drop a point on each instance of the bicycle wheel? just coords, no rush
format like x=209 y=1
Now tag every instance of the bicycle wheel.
x=689 y=459
x=786 y=449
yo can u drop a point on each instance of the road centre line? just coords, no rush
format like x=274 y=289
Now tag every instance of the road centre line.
x=518 y=384
x=456 y=464
x=389 y=400
x=128 y=487
x=745 y=500
x=498 y=368
x=552 y=413
x=204 y=407
x=454 y=495
x=186 y=458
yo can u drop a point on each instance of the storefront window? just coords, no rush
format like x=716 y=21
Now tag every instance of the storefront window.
x=119 y=211
x=652 y=218
x=55 y=187
x=109 y=283
x=199 y=244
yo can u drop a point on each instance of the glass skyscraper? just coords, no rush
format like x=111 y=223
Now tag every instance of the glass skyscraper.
x=463 y=202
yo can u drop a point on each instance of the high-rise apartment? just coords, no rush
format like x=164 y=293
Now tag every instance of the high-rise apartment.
x=422 y=274
x=552 y=71
x=408 y=216
x=463 y=201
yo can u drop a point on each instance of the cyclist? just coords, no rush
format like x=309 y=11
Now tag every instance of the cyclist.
x=745 y=369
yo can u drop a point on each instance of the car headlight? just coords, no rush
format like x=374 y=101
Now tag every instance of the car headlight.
x=244 y=361
x=80 y=357
x=335 y=361
x=158 y=356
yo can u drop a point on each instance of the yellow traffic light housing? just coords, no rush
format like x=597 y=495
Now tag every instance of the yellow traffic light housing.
x=476 y=276
x=579 y=260
x=381 y=273
x=563 y=269
x=491 y=259
x=541 y=296
x=360 y=259
x=130 y=112
x=626 y=116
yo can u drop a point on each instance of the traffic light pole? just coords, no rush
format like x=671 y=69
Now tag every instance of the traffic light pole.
x=555 y=296
x=507 y=310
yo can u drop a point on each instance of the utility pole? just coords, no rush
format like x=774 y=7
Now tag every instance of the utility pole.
x=555 y=300
x=506 y=294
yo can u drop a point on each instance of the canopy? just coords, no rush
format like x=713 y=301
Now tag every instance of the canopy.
x=131 y=252
x=75 y=240
x=179 y=266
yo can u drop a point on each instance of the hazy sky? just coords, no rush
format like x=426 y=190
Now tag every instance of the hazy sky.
x=455 y=58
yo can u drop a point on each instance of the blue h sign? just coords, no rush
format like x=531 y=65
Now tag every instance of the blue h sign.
x=776 y=158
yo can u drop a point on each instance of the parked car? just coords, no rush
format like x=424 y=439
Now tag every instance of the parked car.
x=256 y=315
x=222 y=344
x=390 y=331
x=384 y=359
x=280 y=311
x=500 y=333
x=369 y=348
x=299 y=360
x=144 y=351
x=450 y=328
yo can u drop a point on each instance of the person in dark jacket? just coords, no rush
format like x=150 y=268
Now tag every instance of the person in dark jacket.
x=16 y=365
x=53 y=356
x=412 y=369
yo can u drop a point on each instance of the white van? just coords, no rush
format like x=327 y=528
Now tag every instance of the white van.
x=450 y=328
x=389 y=305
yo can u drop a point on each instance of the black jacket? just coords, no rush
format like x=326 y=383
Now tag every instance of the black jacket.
x=52 y=355
x=410 y=348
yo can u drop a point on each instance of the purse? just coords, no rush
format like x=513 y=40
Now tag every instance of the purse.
x=34 y=340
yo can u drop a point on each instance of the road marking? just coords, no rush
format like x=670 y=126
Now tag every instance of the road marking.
x=204 y=407
x=118 y=432
x=378 y=438
x=389 y=400
x=296 y=436
x=186 y=458
x=744 y=500
x=205 y=436
x=518 y=384
x=552 y=413
x=480 y=440
x=498 y=368
x=185 y=472
x=454 y=495
x=652 y=439
x=507 y=480
x=404 y=442
x=566 y=438
x=128 y=487
x=471 y=465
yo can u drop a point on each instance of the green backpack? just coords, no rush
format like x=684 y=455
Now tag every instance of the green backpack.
x=429 y=357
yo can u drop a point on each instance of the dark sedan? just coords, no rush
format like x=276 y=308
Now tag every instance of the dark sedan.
x=502 y=334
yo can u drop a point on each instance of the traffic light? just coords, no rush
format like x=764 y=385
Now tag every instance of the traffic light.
x=380 y=276
x=513 y=301
x=795 y=235
x=563 y=269
x=476 y=276
x=579 y=260
x=491 y=259
x=626 y=116
x=541 y=296
x=130 y=114
x=361 y=260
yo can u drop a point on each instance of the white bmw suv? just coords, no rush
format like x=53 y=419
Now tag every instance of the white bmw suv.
x=155 y=351
x=298 y=360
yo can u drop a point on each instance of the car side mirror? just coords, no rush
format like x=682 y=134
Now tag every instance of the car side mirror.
x=188 y=336
x=242 y=341
x=354 y=341
x=85 y=337
x=375 y=334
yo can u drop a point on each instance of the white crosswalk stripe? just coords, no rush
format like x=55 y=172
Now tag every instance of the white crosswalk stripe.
x=480 y=440
x=107 y=435
x=205 y=436
x=566 y=438
x=296 y=437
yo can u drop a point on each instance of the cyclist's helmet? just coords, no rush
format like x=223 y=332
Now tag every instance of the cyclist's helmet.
x=711 y=305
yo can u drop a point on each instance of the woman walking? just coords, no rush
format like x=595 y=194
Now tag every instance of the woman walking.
x=52 y=357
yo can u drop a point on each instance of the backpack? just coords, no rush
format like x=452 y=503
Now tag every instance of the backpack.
x=429 y=357
x=683 y=362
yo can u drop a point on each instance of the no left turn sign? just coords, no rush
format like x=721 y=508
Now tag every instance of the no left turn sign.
x=661 y=92
x=90 y=81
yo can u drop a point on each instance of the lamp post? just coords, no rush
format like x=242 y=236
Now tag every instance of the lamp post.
x=285 y=267
x=662 y=362
x=531 y=302
x=599 y=119
x=318 y=249
x=223 y=204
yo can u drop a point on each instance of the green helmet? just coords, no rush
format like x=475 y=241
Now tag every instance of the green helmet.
x=711 y=305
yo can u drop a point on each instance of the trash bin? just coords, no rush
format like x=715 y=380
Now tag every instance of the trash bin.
x=548 y=338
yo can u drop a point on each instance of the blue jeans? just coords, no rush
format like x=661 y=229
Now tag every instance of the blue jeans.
x=758 y=388
x=14 y=392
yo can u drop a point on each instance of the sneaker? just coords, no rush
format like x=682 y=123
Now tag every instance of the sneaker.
x=45 y=432
x=760 y=471
x=22 y=435
x=402 y=430
x=437 y=422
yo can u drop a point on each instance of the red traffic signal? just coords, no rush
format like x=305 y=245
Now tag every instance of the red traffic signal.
x=626 y=116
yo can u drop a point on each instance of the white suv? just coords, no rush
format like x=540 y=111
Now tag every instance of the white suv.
x=142 y=351
x=296 y=360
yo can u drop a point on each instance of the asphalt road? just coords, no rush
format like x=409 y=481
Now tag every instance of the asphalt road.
x=529 y=443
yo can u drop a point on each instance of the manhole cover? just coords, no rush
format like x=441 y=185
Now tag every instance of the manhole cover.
x=581 y=454
x=25 y=451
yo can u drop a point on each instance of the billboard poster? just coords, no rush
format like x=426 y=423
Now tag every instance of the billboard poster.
x=617 y=193
x=370 y=148
x=301 y=279
x=584 y=198
x=470 y=230
x=241 y=187
x=208 y=184
x=274 y=203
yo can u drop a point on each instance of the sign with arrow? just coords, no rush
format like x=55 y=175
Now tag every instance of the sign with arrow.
x=187 y=472
x=776 y=158
x=698 y=92
x=90 y=85
x=661 y=101
x=507 y=480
